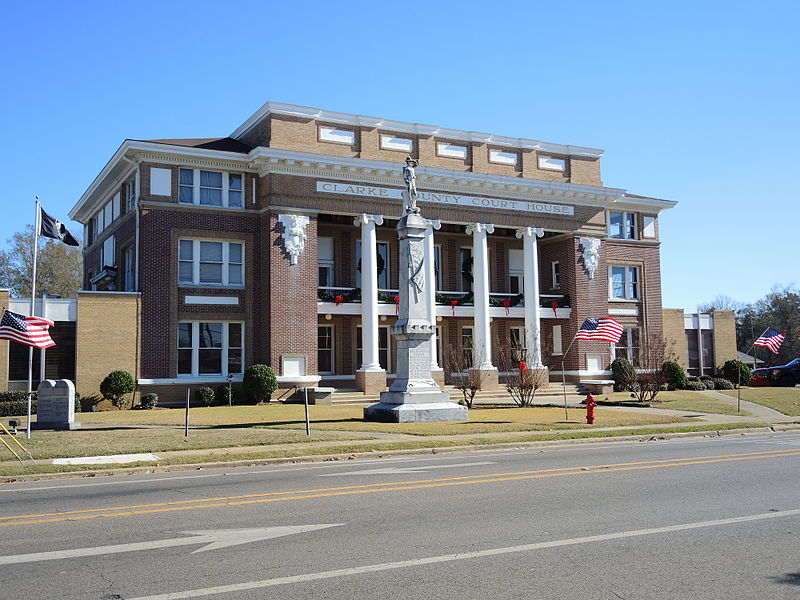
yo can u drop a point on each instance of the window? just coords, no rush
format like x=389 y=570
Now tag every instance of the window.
x=623 y=283
x=466 y=345
x=437 y=266
x=519 y=350
x=516 y=269
x=628 y=346
x=555 y=274
x=127 y=269
x=622 y=225
x=210 y=263
x=325 y=349
x=382 y=266
x=108 y=258
x=383 y=347
x=465 y=261
x=648 y=227
x=558 y=344
x=214 y=348
x=325 y=262
x=130 y=194
x=210 y=188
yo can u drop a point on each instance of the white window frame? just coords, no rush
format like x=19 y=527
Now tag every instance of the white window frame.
x=129 y=271
x=631 y=283
x=437 y=265
x=648 y=227
x=631 y=352
x=558 y=341
x=224 y=349
x=225 y=190
x=382 y=249
x=517 y=344
x=332 y=349
x=388 y=348
x=226 y=264
x=327 y=264
x=555 y=275
x=130 y=194
x=516 y=273
x=629 y=230
x=468 y=352
x=463 y=284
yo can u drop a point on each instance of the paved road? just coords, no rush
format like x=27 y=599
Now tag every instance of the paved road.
x=699 y=518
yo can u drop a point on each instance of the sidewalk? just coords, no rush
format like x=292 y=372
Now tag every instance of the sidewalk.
x=762 y=413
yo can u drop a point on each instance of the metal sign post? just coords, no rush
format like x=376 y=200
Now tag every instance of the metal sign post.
x=305 y=399
x=186 y=420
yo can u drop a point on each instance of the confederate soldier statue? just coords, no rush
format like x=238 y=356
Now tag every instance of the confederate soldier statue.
x=410 y=177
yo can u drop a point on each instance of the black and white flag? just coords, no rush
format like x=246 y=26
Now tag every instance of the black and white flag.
x=53 y=228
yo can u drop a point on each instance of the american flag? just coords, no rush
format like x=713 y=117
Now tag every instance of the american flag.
x=600 y=329
x=770 y=339
x=31 y=331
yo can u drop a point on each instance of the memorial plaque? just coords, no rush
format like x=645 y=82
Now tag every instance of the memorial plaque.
x=55 y=405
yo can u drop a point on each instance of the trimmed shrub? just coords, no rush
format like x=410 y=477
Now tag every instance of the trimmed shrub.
x=222 y=395
x=204 y=396
x=148 y=401
x=15 y=396
x=721 y=383
x=736 y=371
x=116 y=385
x=16 y=405
x=708 y=382
x=623 y=374
x=696 y=386
x=675 y=375
x=260 y=382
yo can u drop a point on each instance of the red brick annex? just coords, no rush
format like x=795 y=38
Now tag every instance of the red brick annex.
x=228 y=252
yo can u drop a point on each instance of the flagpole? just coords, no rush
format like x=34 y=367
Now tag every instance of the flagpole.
x=739 y=386
x=564 y=377
x=36 y=228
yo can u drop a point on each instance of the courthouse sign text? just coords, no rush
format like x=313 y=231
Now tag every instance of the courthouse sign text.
x=370 y=191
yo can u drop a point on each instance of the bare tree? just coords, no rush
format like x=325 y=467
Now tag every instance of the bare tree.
x=458 y=373
x=649 y=377
x=523 y=380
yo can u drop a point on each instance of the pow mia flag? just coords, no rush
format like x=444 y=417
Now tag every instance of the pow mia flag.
x=53 y=228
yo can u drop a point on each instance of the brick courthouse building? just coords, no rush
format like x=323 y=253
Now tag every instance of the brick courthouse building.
x=248 y=249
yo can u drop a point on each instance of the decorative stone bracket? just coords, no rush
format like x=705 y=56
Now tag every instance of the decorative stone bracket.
x=294 y=235
x=591 y=254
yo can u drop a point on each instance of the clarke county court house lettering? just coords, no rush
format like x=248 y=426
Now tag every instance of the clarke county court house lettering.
x=278 y=245
x=470 y=201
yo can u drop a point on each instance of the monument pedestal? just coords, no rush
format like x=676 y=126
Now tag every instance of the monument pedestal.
x=55 y=405
x=371 y=382
x=414 y=396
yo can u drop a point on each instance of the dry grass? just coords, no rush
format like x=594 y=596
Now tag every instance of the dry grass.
x=782 y=399
x=686 y=400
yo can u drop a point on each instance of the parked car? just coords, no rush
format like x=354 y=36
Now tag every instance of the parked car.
x=787 y=375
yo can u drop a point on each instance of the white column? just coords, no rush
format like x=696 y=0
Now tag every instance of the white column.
x=430 y=286
x=482 y=338
x=369 y=290
x=530 y=253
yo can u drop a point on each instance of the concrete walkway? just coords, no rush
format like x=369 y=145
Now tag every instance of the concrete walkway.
x=762 y=413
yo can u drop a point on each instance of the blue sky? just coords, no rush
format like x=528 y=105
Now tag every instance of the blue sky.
x=692 y=101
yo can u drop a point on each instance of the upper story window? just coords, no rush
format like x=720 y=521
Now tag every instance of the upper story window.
x=203 y=262
x=555 y=274
x=648 y=226
x=516 y=270
x=382 y=267
x=465 y=260
x=623 y=283
x=210 y=188
x=622 y=225
x=130 y=194
x=325 y=262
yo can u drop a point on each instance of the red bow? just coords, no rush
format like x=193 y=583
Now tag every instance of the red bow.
x=506 y=305
x=396 y=304
x=453 y=306
x=523 y=367
x=338 y=300
x=554 y=304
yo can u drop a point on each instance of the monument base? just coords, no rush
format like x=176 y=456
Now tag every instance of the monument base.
x=371 y=382
x=425 y=412
x=56 y=426
x=438 y=376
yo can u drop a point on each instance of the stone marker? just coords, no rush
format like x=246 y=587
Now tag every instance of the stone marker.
x=55 y=405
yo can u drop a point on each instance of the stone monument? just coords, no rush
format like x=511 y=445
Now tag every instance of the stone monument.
x=55 y=405
x=413 y=397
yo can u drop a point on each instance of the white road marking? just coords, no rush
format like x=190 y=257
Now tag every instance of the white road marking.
x=214 y=539
x=444 y=558
x=404 y=470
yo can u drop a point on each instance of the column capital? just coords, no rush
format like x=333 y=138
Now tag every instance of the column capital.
x=473 y=228
x=433 y=224
x=529 y=232
x=364 y=219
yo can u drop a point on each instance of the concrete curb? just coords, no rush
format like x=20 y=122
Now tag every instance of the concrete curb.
x=303 y=459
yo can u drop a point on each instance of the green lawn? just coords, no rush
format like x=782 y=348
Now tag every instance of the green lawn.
x=782 y=399
x=682 y=400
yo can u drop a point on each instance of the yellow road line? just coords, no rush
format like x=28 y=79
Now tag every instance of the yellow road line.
x=204 y=503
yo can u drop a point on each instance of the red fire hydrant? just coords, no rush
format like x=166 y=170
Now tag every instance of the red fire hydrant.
x=590 y=404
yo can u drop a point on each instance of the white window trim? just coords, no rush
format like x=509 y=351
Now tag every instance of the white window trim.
x=225 y=188
x=625 y=215
x=360 y=348
x=196 y=263
x=196 y=348
x=514 y=272
x=627 y=284
x=386 y=262
x=332 y=349
x=555 y=275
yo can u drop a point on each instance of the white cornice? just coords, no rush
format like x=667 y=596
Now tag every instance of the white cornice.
x=327 y=116
x=305 y=164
